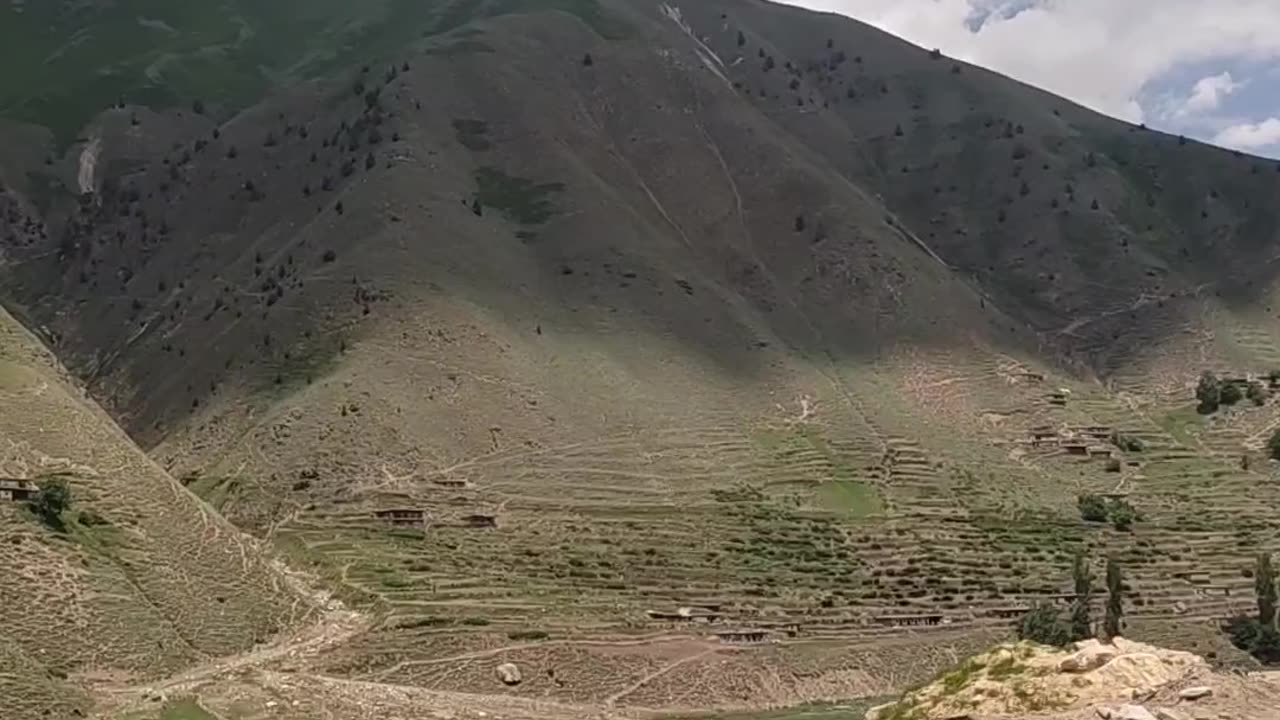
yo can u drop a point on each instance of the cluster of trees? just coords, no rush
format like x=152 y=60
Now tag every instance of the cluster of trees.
x=1117 y=511
x=1258 y=635
x=50 y=501
x=1044 y=623
x=1212 y=393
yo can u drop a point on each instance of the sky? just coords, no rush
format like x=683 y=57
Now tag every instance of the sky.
x=1207 y=69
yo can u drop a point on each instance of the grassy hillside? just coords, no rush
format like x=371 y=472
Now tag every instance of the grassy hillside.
x=79 y=58
x=136 y=580
x=731 y=306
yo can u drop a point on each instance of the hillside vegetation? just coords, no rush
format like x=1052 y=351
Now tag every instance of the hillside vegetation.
x=714 y=356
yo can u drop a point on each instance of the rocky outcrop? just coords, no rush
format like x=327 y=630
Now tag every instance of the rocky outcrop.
x=1121 y=680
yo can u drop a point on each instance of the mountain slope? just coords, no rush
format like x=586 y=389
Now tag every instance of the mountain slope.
x=142 y=581
x=732 y=306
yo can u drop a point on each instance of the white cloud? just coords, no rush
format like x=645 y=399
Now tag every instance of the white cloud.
x=1208 y=92
x=1100 y=53
x=1250 y=136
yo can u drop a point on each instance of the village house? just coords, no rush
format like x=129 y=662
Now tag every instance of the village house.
x=13 y=489
x=743 y=636
x=402 y=517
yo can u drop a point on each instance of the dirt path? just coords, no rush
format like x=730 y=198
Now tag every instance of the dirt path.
x=614 y=698
x=89 y=165
x=331 y=629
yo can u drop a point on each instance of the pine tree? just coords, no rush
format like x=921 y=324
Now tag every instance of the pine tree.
x=1081 y=625
x=1115 y=600
x=1264 y=584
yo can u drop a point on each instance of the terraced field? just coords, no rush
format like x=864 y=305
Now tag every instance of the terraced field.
x=803 y=536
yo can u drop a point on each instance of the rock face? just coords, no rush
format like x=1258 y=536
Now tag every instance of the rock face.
x=509 y=674
x=1114 y=679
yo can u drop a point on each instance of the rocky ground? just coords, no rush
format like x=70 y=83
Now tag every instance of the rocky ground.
x=1123 y=680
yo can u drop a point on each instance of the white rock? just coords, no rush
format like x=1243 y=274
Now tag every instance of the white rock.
x=1169 y=714
x=1090 y=656
x=272 y=703
x=875 y=712
x=1132 y=712
x=509 y=674
x=1195 y=693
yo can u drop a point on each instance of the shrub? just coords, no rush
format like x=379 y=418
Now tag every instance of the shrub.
x=1093 y=508
x=1230 y=394
x=1259 y=640
x=52 y=499
x=1208 y=392
x=1127 y=443
x=1257 y=393
x=1042 y=624
x=1122 y=514
x=1273 y=445
x=89 y=518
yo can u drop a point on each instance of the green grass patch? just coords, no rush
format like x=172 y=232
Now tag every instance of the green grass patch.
x=217 y=490
x=843 y=491
x=849 y=497
x=472 y=134
x=187 y=709
x=520 y=200
x=1005 y=667
x=305 y=364
x=962 y=677
x=1184 y=424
